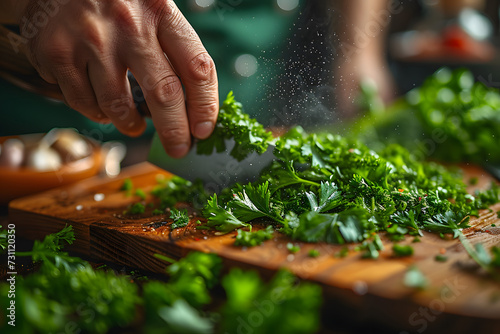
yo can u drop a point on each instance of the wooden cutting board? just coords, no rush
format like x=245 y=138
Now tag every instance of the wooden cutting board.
x=458 y=297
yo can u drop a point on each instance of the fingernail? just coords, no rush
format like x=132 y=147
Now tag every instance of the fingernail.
x=203 y=130
x=178 y=151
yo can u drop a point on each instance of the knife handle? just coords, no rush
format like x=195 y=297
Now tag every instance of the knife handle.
x=138 y=96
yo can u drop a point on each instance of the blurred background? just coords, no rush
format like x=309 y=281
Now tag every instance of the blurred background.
x=306 y=62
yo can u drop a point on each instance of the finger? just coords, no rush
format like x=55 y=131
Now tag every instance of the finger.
x=163 y=93
x=78 y=92
x=196 y=69
x=114 y=97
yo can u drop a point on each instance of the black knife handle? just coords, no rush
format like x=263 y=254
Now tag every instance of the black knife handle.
x=138 y=96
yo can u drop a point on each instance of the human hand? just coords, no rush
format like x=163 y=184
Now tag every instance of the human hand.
x=86 y=47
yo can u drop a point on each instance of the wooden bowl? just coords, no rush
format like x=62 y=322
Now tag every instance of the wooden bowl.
x=22 y=181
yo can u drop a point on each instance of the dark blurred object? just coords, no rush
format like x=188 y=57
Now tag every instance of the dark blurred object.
x=447 y=33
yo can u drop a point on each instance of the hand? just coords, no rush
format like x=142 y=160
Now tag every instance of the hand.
x=86 y=47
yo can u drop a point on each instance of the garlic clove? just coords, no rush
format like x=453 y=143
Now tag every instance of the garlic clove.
x=70 y=145
x=44 y=159
x=12 y=153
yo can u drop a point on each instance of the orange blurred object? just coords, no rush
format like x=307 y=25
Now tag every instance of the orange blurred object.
x=20 y=181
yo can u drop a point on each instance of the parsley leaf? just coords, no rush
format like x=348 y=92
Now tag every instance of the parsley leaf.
x=180 y=218
x=415 y=279
x=402 y=250
x=253 y=202
x=253 y=238
x=221 y=219
x=248 y=134
x=329 y=199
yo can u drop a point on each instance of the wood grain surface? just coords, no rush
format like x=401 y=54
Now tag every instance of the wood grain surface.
x=459 y=297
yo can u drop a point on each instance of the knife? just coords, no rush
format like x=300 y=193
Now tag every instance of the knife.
x=494 y=170
x=217 y=170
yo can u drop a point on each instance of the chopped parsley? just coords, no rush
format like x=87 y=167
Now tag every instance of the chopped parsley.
x=292 y=248
x=140 y=193
x=64 y=287
x=253 y=238
x=343 y=252
x=415 y=279
x=180 y=218
x=402 y=250
x=441 y=258
x=232 y=122
x=127 y=185
x=313 y=253
x=136 y=209
x=157 y=212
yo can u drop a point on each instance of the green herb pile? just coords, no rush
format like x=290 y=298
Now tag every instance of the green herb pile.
x=66 y=294
x=326 y=188
x=450 y=118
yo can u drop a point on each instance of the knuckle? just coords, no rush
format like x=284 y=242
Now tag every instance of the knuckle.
x=207 y=110
x=202 y=67
x=162 y=11
x=126 y=18
x=57 y=53
x=95 y=35
x=174 y=134
x=167 y=91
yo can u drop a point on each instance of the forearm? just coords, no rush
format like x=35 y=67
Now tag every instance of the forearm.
x=362 y=25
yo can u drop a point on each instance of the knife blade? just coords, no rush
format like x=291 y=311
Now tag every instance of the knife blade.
x=217 y=170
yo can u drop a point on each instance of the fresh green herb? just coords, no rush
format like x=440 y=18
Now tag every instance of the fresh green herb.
x=415 y=279
x=495 y=262
x=140 y=193
x=400 y=250
x=498 y=214
x=325 y=188
x=253 y=238
x=247 y=295
x=313 y=253
x=441 y=258
x=49 y=251
x=176 y=189
x=292 y=248
x=493 y=225
x=67 y=290
x=136 y=209
x=157 y=212
x=248 y=134
x=490 y=263
x=371 y=248
x=450 y=118
x=473 y=181
x=343 y=252
x=220 y=218
x=3 y=239
x=127 y=185
x=180 y=218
